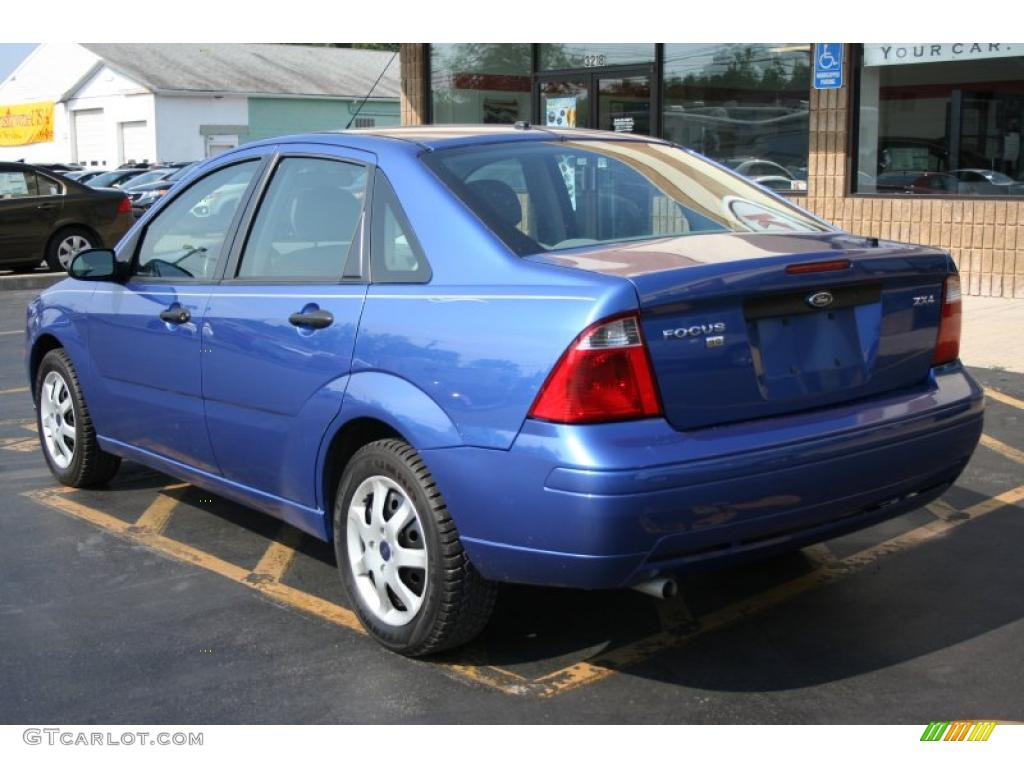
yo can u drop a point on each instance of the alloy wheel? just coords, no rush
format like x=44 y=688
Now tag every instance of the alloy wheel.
x=68 y=247
x=57 y=420
x=387 y=551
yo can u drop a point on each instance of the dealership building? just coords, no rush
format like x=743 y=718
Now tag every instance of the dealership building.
x=903 y=141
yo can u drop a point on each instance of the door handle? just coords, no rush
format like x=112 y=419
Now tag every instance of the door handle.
x=176 y=315
x=319 y=318
x=46 y=206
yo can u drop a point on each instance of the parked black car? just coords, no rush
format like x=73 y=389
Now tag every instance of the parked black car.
x=83 y=176
x=115 y=178
x=43 y=215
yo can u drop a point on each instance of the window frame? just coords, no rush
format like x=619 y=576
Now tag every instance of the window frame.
x=229 y=274
x=853 y=149
x=231 y=235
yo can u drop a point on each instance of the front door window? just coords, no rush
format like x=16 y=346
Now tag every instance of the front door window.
x=185 y=240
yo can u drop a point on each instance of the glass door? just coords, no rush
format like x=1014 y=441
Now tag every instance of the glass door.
x=619 y=99
x=624 y=104
x=565 y=103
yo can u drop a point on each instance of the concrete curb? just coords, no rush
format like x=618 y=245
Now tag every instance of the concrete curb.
x=27 y=282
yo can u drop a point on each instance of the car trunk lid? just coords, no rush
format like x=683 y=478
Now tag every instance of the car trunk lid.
x=750 y=326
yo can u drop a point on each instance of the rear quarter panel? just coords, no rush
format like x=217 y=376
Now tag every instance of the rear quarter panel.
x=481 y=337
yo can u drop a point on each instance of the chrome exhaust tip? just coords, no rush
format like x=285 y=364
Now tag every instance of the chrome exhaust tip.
x=662 y=588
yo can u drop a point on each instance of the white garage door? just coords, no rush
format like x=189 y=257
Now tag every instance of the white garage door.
x=134 y=142
x=90 y=146
x=220 y=142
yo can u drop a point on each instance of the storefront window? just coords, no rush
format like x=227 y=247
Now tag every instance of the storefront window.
x=744 y=105
x=587 y=55
x=480 y=82
x=941 y=119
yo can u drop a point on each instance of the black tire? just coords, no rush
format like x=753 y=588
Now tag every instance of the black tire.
x=88 y=465
x=457 y=601
x=53 y=245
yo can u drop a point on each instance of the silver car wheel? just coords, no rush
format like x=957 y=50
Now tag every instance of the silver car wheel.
x=57 y=420
x=387 y=551
x=68 y=247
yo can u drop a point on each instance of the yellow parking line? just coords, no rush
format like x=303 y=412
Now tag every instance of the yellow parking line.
x=504 y=680
x=606 y=664
x=943 y=510
x=157 y=515
x=176 y=549
x=58 y=498
x=304 y=601
x=678 y=625
x=19 y=444
x=819 y=554
x=1009 y=498
x=1000 y=447
x=279 y=554
x=1002 y=397
x=14 y=391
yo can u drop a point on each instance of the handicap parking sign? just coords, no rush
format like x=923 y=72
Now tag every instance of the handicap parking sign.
x=828 y=66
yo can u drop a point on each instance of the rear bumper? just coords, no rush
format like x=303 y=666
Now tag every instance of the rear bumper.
x=608 y=505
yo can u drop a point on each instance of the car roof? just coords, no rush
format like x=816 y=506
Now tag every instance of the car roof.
x=433 y=137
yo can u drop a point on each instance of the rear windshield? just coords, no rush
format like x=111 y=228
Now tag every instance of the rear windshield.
x=549 y=196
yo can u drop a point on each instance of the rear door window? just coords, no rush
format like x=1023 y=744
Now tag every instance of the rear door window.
x=15 y=184
x=308 y=222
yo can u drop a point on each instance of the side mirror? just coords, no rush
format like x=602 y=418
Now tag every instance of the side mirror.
x=97 y=264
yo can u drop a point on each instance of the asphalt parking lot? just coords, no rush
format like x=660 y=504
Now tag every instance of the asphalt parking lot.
x=155 y=602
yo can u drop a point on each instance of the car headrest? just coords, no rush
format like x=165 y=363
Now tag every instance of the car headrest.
x=323 y=214
x=500 y=198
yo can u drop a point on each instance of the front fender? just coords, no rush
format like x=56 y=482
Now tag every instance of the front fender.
x=59 y=313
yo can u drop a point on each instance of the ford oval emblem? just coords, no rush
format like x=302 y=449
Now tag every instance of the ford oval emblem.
x=821 y=299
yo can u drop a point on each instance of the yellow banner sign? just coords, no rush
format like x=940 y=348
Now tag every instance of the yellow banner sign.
x=26 y=123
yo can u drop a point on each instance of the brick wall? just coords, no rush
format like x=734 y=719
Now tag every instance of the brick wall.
x=986 y=237
x=413 y=77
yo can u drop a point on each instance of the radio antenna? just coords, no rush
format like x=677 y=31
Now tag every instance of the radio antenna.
x=370 y=92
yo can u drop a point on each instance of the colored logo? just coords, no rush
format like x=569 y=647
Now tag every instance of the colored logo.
x=959 y=730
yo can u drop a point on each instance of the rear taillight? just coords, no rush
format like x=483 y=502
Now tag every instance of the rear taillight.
x=125 y=206
x=947 y=347
x=605 y=375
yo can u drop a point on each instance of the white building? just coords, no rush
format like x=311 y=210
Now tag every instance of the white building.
x=161 y=102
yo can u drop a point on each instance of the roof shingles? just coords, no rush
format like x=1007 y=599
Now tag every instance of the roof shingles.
x=253 y=68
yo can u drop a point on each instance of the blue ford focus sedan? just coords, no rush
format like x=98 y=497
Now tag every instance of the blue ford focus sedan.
x=472 y=355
